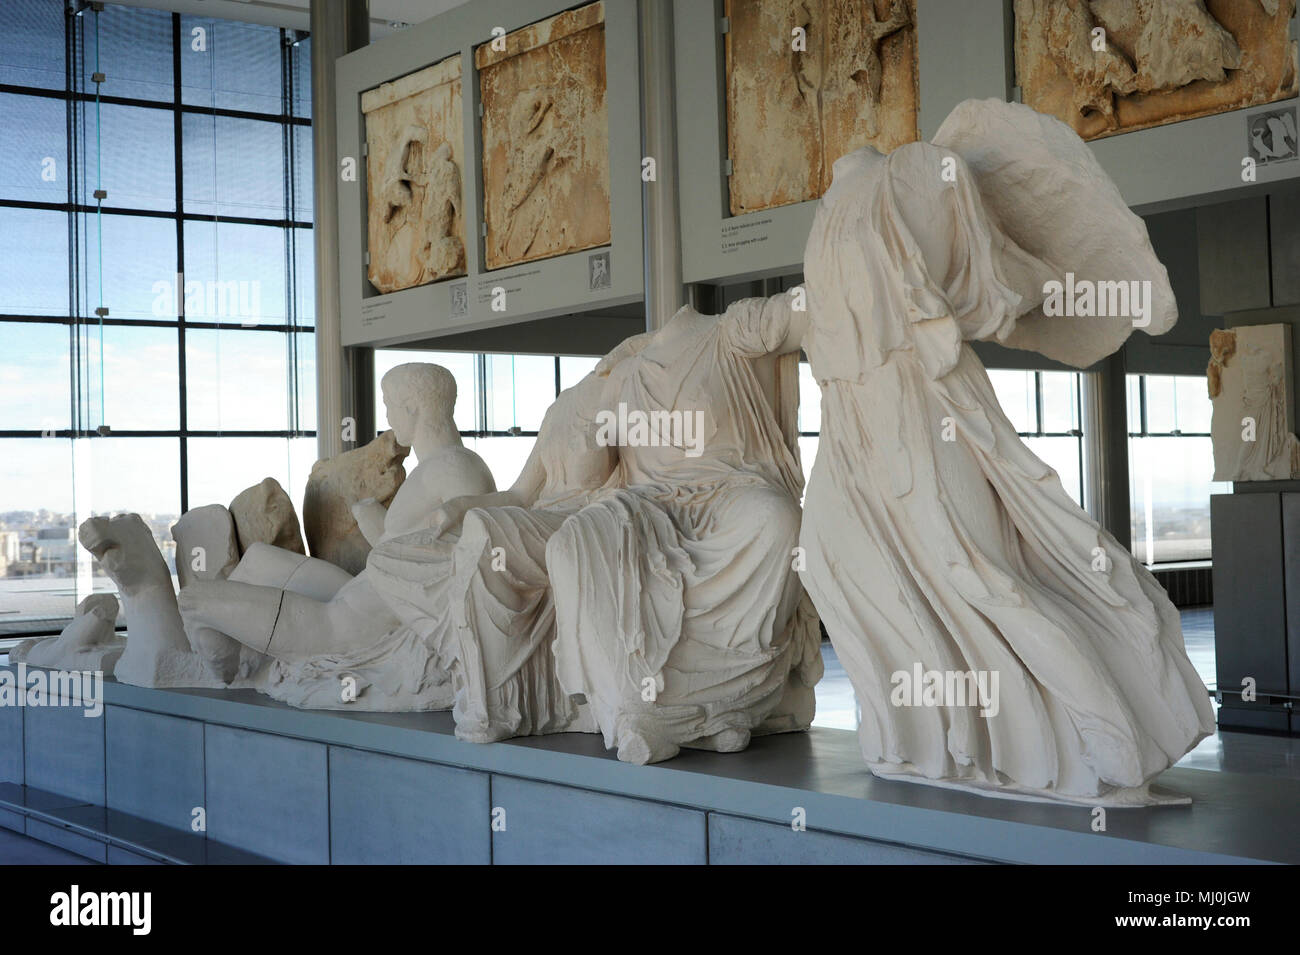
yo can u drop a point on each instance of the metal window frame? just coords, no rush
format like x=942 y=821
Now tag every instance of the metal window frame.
x=74 y=97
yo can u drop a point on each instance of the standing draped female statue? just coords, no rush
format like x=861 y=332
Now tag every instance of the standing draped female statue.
x=936 y=541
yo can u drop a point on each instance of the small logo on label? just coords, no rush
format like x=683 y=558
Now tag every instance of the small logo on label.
x=598 y=271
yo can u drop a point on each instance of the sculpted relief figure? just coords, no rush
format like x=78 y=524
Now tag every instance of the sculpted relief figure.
x=937 y=543
x=644 y=570
x=1110 y=66
x=545 y=138
x=1249 y=378
x=808 y=82
x=414 y=134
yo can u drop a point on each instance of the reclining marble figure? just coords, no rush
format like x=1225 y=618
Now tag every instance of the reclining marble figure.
x=287 y=624
x=317 y=624
x=937 y=543
x=647 y=574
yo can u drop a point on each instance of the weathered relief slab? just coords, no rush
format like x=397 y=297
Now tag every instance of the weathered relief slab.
x=808 y=82
x=1110 y=66
x=416 y=144
x=1253 y=427
x=545 y=138
x=375 y=472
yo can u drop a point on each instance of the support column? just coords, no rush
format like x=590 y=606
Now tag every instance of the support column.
x=337 y=27
x=1105 y=435
x=664 y=293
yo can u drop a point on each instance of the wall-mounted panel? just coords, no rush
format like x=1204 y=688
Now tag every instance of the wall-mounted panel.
x=65 y=751
x=384 y=809
x=737 y=841
x=808 y=83
x=1106 y=67
x=1250 y=621
x=763 y=111
x=11 y=744
x=154 y=766
x=549 y=183
x=415 y=150
x=558 y=825
x=267 y=794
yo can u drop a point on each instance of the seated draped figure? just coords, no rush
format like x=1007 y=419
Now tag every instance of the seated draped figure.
x=309 y=624
x=637 y=580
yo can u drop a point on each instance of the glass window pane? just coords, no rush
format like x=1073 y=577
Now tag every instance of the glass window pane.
x=219 y=468
x=1192 y=405
x=32 y=44
x=1060 y=401
x=237 y=380
x=504 y=456
x=1161 y=404
x=519 y=390
x=304 y=255
x=230 y=65
x=138 y=269
x=33 y=262
x=302 y=455
x=34 y=387
x=33 y=166
x=36 y=518
x=1170 y=488
x=136 y=475
x=302 y=173
x=133 y=48
x=1134 y=385
x=234 y=273
x=1063 y=456
x=810 y=401
x=574 y=368
x=302 y=78
x=129 y=475
x=233 y=167
x=1015 y=391
x=303 y=349
x=462 y=365
x=133 y=149
x=130 y=378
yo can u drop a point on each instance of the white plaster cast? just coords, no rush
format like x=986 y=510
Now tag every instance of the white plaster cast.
x=206 y=546
x=370 y=472
x=1253 y=427
x=88 y=642
x=650 y=574
x=936 y=542
x=327 y=638
x=157 y=651
x=264 y=512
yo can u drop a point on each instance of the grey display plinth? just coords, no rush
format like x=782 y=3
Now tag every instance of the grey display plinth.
x=292 y=785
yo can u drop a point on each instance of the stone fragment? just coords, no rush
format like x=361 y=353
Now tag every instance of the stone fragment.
x=810 y=82
x=1253 y=427
x=1110 y=66
x=89 y=642
x=206 y=546
x=265 y=513
x=374 y=471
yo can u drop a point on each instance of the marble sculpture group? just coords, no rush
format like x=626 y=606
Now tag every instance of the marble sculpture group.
x=669 y=599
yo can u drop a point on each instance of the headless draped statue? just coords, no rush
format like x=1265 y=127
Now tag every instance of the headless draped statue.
x=637 y=580
x=937 y=543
